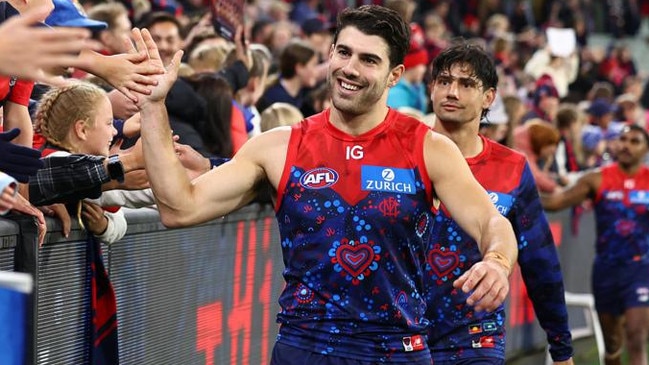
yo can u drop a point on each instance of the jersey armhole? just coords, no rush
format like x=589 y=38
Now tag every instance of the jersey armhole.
x=421 y=162
x=291 y=153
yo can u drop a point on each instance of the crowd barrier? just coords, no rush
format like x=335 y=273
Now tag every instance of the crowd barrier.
x=208 y=294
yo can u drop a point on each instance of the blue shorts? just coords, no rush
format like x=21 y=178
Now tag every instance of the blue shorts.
x=619 y=287
x=474 y=361
x=289 y=355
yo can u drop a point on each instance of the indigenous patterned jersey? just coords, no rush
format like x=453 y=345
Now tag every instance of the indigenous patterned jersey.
x=456 y=331
x=622 y=218
x=354 y=216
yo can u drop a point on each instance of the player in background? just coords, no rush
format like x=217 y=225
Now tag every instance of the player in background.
x=620 y=275
x=463 y=88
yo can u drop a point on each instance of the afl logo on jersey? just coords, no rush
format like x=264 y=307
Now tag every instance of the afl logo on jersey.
x=319 y=178
x=493 y=197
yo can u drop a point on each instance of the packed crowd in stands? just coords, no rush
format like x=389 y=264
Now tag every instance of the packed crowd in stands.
x=563 y=111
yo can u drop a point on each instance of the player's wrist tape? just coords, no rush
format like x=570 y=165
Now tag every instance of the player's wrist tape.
x=498 y=258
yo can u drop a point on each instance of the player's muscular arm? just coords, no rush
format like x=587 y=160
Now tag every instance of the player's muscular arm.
x=470 y=207
x=234 y=184
x=466 y=200
x=584 y=188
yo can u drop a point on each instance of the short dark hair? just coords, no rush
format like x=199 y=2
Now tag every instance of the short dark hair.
x=637 y=128
x=466 y=53
x=154 y=18
x=567 y=115
x=379 y=21
x=469 y=54
x=295 y=53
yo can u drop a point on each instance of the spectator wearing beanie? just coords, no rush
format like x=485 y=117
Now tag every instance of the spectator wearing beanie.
x=601 y=113
x=545 y=100
x=410 y=91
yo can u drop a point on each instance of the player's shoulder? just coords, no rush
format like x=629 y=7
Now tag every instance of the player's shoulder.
x=405 y=124
x=278 y=136
x=504 y=154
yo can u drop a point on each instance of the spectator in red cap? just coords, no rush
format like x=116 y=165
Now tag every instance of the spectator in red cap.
x=410 y=91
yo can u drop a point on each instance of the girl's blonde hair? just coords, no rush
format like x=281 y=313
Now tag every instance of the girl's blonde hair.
x=61 y=107
x=278 y=115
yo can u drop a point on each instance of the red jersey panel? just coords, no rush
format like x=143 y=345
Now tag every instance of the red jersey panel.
x=621 y=214
x=354 y=214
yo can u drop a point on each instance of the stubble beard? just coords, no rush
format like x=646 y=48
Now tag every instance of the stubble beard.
x=357 y=105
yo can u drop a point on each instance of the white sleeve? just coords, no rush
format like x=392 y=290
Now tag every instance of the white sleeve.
x=7 y=181
x=126 y=198
x=572 y=68
x=116 y=228
x=538 y=63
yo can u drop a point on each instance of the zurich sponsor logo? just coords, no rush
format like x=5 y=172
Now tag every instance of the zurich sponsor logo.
x=503 y=202
x=388 y=179
x=639 y=197
x=319 y=178
x=387 y=174
x=643 y=294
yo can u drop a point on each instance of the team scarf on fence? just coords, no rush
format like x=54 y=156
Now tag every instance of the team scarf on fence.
x=103 y=308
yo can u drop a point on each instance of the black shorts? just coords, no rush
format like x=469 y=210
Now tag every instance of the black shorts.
x=618 y=287
x=474 y=361
x=289 y=355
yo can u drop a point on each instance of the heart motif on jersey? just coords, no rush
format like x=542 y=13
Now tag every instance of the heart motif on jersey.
x=625 y=227
x=442 y=262
x=355 y=259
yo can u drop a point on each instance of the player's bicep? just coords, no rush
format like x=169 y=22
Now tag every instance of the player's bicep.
x=461 y=194
x=231 y=185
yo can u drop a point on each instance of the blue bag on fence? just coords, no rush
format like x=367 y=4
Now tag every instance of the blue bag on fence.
x=15 y=290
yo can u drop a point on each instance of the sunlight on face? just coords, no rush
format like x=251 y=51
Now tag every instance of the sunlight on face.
x=99 y=131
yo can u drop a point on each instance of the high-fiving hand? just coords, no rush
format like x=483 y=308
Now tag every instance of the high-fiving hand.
x=143 y=41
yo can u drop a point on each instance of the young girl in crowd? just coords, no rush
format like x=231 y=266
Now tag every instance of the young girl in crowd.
x=78 y=119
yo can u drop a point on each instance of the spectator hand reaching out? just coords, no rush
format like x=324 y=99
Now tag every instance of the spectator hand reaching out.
x=30 y=52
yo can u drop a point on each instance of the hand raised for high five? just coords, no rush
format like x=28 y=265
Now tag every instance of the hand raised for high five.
x=30 y=52
x=144 y=41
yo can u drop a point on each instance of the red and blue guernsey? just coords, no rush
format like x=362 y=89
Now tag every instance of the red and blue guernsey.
x=622 y=218
x=457 y=331
x=354 y=216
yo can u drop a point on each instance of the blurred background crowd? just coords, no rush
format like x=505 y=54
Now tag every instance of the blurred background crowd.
x=563 y=110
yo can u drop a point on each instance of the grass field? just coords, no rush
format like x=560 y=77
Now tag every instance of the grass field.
x=585 y=354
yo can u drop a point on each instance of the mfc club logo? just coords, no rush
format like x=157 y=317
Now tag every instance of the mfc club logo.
x=319 y=178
